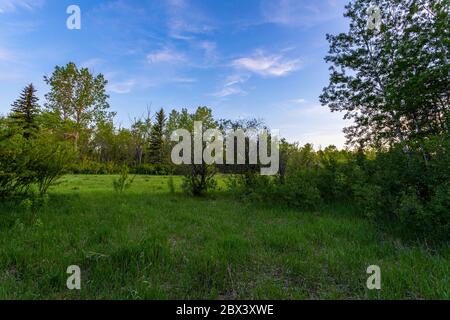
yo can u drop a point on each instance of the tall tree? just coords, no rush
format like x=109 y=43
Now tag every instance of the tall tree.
x=393 y=82
x=157 y=138
x=78 y=97
x=25 y=110
x=198 y=178
x=141 y=132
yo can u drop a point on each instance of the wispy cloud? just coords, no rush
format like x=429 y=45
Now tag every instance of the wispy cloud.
x=232 y=86
x=297 y=13
x=228 y=91
x=92 y=63
x=235 y=79
x=184 y=80
x=165 y=56
x=209 y=48
x=267 y=65
x=122 y=87
x=6 y=55
x=298 y=101
x=13 y=5
x=185 y=21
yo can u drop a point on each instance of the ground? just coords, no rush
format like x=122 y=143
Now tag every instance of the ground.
x=150 y=244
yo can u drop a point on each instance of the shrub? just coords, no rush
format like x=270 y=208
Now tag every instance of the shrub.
x=15 y=174
x=124 y=181
x=199 y=179
x=49 y=159
x=153 y=169
x=300 y=190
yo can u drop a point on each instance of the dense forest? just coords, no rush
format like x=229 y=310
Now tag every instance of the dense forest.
x=393 y=83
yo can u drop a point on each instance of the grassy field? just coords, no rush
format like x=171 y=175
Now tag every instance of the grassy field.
x=150 y=244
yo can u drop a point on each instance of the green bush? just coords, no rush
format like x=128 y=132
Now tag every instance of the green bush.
x=49 y=160
x=124 y=181
x=300 y=190
x=93 y=167
x=153 y=169
x=16 y=177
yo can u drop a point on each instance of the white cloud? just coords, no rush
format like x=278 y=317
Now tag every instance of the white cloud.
x=165 y=55
x=298 y=101
x=185 y=21
x=92 y=63
x=295 y=13
x=209 y=49
x=235 y=79
x=267 y=65
x=122 y=87
x=6 y=55
x=228 y=91
x=13 y=5
x=185 y=80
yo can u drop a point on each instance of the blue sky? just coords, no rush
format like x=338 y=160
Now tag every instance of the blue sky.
x=242 y=58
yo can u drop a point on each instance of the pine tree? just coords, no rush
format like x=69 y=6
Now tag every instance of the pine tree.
x=156 y=149
x=25 y=110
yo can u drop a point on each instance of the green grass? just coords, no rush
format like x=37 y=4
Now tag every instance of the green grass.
x=150 y=244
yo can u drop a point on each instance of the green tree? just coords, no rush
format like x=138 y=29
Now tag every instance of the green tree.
x=78 y=97
x=141 y=132
x=25 y=111
x=158 y=138
x=393 y=82
x=198 y=178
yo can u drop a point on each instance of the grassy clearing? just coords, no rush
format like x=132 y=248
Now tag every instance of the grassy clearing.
x=150 y=244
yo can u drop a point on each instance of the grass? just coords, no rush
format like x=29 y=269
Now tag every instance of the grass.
x=150 y=244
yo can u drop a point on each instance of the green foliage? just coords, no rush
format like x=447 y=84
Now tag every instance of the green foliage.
x=157 y=138
x=300 y=190
x=16 y=177
x=199 y=179
x=93 y=167
x=25 y=110
x=153 y=169
x=171 y=185
x=26 y=161
x=49 y=160
x=124 y=181
x=78 y=98
x=208 y=248
x=394 y=82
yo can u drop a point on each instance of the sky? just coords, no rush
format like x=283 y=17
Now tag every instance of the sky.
x=243 y=58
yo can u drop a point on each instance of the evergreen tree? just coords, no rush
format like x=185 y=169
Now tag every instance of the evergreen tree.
x=156 y=149
x=25 y=110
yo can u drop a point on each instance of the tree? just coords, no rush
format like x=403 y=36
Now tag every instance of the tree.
x=78 y=97
x=393 y=82
x=198 y=178
x=25 y=111
x=141 y=133
x=157 y=138
x=48 y=160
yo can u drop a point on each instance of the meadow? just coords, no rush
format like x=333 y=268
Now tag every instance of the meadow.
x=149 y=243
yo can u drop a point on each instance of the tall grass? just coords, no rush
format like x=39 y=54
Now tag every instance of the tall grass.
x=150 y=244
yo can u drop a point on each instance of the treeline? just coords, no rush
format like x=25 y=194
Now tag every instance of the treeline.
x=73 y=131
x=393 y=83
